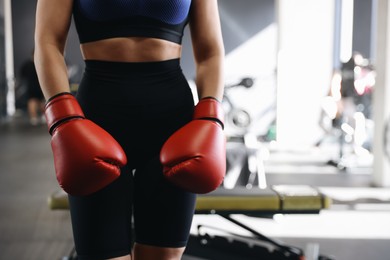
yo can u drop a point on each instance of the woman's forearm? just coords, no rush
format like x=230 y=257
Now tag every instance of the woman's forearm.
x=208 y=48
x=51 y=69
x=53 y=19
x=209 y=77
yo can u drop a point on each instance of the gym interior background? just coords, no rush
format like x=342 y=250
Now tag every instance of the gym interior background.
x=284 y=59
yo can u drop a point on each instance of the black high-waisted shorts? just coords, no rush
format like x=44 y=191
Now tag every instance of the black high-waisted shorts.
x=140 y=105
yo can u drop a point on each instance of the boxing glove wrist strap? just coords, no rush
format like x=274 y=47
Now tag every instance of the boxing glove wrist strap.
x=60 y=108
x=209 y=108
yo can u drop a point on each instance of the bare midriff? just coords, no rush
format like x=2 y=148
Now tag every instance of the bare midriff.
x=132 y=49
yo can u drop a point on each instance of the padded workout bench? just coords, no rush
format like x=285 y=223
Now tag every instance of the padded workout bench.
x=278 y=199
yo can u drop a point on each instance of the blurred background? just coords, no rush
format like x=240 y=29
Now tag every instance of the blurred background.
x=307 y=90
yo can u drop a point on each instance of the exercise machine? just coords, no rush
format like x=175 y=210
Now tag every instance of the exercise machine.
x=256 y=202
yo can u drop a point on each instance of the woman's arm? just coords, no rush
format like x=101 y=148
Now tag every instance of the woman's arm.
x=53 y=19
x=208 y=48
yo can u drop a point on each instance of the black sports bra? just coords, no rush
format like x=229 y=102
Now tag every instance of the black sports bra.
x=103 y=19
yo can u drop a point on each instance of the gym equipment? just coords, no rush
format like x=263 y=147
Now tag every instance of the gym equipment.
x=245 y=150
x=256 y=202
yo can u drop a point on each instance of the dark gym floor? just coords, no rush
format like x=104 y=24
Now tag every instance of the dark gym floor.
x=30 y=231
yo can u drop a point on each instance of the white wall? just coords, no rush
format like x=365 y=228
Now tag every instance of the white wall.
x=256 y=58
x=381 y=97
x=305 y=51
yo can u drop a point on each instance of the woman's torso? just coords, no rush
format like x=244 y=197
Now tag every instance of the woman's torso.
x=131 y=49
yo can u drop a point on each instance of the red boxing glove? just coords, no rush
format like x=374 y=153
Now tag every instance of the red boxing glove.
x=194 y=157
x=86 y=157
